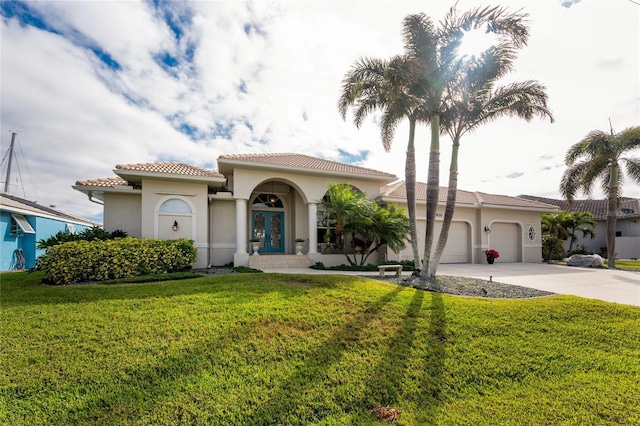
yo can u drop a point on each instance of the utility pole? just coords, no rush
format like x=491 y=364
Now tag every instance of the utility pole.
x=8 y=179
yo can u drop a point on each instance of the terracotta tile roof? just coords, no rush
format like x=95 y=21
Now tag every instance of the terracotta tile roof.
x=103 y=183
x=398 y=191
x=300 y=161
x=170 y=168
x=11 y=202
x=629 y=207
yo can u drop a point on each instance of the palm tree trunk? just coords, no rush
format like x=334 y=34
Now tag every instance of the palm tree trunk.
x=433 y=187
x=448 y=210
x=612 y=217
x=410 y=185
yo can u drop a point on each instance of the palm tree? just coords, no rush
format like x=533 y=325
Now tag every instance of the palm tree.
x=442 y=72
x=375 y=224
x=554 y=224
x=389 y=226
x=579 y=222
x=600 y=157
x=475 y=100
x=389 y=85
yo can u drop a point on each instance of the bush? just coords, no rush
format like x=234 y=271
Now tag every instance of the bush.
x=407 y=265
x=552 y=248
x=246 y=270
x=581 y=250
x=90 y=234
x=78 y=261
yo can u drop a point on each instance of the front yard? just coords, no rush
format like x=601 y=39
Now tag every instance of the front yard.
x=258 y=349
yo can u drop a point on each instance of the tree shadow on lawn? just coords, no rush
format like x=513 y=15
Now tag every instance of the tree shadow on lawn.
x=386 y=379
x=389 y=376
x=160 y=386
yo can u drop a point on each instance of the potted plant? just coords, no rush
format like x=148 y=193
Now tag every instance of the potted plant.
x=255 y=243
x=492 y=255
x=299 y=243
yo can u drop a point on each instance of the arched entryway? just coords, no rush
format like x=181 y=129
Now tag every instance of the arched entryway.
x=267 y=222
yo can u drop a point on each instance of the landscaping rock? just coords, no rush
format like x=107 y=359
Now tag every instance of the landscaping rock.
x=586 y=261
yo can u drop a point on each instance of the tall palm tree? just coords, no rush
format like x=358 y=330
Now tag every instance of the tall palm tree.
x=442 y=72
x=475 y=100
x=601 y=157
x=392 y=86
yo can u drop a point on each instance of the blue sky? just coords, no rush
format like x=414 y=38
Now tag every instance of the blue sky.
x=89 y=85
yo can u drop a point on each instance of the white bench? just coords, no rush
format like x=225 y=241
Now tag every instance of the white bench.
x=383 y=268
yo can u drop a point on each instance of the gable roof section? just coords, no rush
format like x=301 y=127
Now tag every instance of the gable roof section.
x=14 y=204
x=181 y=171
x=629 y=207
x=397 y=192
x=103 y=183
x=297 y=162
x=169 y=168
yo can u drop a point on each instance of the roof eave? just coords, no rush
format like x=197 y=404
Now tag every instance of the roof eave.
x=136 y=176
x=386 y=179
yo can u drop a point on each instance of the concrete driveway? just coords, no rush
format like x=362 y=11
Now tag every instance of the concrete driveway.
x=604 y=284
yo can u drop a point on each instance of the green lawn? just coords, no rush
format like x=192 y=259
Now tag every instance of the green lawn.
x=628 y=264
x=262 y=349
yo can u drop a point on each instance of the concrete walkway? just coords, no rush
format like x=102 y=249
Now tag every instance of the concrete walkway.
x=603 y=284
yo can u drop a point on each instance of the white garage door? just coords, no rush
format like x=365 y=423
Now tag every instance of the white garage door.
x=458 y=244
x=506 y=239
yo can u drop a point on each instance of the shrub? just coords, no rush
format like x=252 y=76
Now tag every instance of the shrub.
x=552 y=248
x=89 y=234
x=246 y=270
x=78 y=261
x=581 y=250
x=407 y=265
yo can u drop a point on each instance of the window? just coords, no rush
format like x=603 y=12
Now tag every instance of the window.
x=268 y=201
x=532 y=233
x=20 y=224
x=175 y=205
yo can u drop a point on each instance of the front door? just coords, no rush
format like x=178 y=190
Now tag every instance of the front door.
x=269 y=226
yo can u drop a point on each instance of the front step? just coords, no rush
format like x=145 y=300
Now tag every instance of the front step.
x=286 y=261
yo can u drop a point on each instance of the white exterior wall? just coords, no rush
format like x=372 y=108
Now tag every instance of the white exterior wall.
x=194 y=226
x=222 y=216
x=124 y=212
x=627 y=244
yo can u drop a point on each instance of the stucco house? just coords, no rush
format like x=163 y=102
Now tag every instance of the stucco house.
x=23 y=223
x=276 y=197
x=627 y=224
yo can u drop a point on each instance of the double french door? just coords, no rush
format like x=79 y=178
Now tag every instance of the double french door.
x=269 y=227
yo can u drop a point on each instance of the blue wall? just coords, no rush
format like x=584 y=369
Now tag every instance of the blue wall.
x=44 y=228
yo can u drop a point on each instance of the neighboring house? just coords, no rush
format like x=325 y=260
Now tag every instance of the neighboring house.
x=627 y=224
x=277 y=197
x=23 y=223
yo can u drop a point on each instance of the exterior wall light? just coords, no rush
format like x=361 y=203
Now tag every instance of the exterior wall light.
x=487 y=230
x=175 y=226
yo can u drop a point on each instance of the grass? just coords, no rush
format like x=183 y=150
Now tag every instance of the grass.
x=259 y=349
x=633 y=265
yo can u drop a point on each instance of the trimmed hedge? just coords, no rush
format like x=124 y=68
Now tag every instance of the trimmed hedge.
x=78 y=261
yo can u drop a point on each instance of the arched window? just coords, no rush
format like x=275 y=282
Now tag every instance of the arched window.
x=175 y=205
x=267 y=200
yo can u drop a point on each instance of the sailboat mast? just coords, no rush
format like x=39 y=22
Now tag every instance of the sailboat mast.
x=8 y=179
